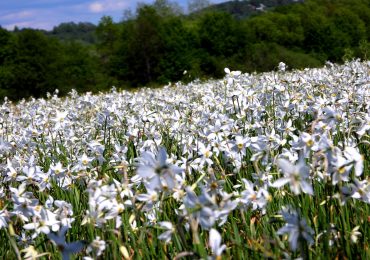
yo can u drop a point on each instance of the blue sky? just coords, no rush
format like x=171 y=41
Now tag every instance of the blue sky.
x=45 y=14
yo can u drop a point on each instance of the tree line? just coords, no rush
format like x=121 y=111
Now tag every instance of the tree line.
x=159 y=44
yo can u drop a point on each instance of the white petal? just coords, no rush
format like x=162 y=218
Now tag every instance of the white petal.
x=293 y=239
x=162 y=156
x=285 y=166
x=359 y=168
x=166 y=224
x=214 y=240
x=145 y=171
x=306 y=187
x=280 y=182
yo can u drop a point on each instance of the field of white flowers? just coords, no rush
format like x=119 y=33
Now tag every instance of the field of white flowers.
x=272 y=165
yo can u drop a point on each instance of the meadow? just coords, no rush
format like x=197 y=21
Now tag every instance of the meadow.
x=272 y=165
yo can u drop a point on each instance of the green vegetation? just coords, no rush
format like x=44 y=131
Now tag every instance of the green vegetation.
x=159 y=43
x=84 y=32
x=244 y=9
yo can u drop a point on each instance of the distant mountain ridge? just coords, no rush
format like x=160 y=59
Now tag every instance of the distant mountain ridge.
x=84 y=32
x=245 y=8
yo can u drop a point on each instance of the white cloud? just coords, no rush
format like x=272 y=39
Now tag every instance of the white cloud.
x=37 y=18
x=18 y=15
x=96 y=7
x=46 y=17
x=108 y=5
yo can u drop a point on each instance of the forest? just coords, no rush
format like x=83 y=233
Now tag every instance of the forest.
x=158 y=44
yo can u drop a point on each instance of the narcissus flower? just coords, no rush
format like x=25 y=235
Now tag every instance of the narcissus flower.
x=296 y=227
x=297 y=175
x=215 y=243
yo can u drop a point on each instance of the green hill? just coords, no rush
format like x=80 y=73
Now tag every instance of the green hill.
x=157 y=45
x=83 y=32
x=247 y=8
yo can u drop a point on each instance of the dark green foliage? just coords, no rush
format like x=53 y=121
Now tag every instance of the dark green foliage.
x=6 y=55
x=153 y=49
x=141 y=46
x=158 y=43
x=5 y=43
x=266 y=56
x=33 y=58
x=218 y=34
x=177 y=50
x=83 y=32
x=33 y=64
x=79 y=70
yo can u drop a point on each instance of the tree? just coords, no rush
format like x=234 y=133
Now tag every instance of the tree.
x=83 y=32
x=176 y=56
x=6 y=58
x=107 y=34
x=5 y=45
x=79 y=69
x=166 y=8
x=197 y=5
x=221 y=40
x=140 y=48
x=220 y=34
x=261 y=28
x=350 y=24
x=36 y=56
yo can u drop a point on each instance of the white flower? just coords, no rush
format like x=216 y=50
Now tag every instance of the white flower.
x=30 y=253
x=215 y=243
x=66 y=248
x=352 y=154
x=250 y=196
x=97 y=246
x=297 y=175
x=157 y=173
x=3 y=218
x=45 y=223
x=200 y=207
x=296 y=228
x=355 y=234
x=282 y=66
x=57 y=168
x=206 y=154
x=166 y=236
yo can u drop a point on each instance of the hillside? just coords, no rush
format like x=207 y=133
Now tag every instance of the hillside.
x=247 y=8
x=158 y=45
x=83 y=32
